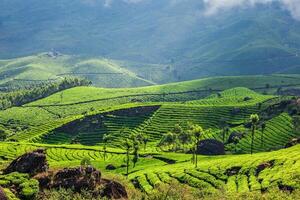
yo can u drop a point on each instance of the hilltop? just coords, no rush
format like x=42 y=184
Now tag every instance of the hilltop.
x=48 y=67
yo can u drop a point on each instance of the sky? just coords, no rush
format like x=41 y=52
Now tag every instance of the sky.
x=213 y=7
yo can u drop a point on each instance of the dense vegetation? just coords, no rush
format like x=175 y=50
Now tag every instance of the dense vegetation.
x=20 y=96
x=151 y=135
x=149 y=100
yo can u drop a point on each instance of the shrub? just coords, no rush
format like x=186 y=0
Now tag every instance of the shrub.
x=85 y=162
x=29 y=189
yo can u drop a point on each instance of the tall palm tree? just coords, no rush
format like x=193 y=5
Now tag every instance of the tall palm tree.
x=224 y=127
x=263 y=127
x=169 y=139
x=136 y=148
x=254 y=120
x=225 y=133
x=185 y=138
x=145 y=141
x=105 y=139
x=197 y=132
x=127 y=145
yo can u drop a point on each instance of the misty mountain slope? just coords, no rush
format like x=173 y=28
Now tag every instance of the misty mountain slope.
x=262 y=39
x=102 y=72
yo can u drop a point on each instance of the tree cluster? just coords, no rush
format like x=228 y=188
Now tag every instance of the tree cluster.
x=180 y=139
x=35 y=92
x=131 y=145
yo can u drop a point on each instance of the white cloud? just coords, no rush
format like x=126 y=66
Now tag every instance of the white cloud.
x=294 y=7
x=213 y=7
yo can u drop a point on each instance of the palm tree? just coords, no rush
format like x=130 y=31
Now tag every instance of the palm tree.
x=185 y=137
x=142 y=139
x=197 y=132
x=224 y=127
x=263 y=127
x=254 y=120
x=105 y=139
x=225 y=133
x=235 y=141
x=135 y=152
x=168 y=139
x=127 y=145
x=145 y=141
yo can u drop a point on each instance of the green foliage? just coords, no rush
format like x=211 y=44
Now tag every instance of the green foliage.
x=22 y=96
x=9 y=194
x=119 y=131
x=27 y=188
x=85 y=162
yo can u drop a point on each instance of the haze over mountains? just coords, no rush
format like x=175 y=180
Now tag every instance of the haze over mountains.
x=194 y=38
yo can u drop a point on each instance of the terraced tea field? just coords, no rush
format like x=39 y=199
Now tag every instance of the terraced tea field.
x=231 y=173
x=156 y=119
x=71 y=126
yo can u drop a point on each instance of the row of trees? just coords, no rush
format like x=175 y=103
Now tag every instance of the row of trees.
x=131 y=145
x=23 y=96
x=188 y=139
x=183 y=139
x=175 y=140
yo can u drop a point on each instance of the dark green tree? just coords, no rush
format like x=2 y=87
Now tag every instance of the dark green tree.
x=196 y=132
x=168 y=139
x=135 y=152
x=185 y=137
x=127 y=146
x=145 y=141
x=263 y=127
x=3 y=135
x=235 y=141
x=105 y=140
x=254 y=118
x=224 y=127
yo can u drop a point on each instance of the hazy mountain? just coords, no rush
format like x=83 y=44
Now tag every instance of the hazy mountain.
x=258 y=39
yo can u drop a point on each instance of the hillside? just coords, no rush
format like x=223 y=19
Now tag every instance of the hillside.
x=150 y=100
x=90 y=99
x=222 y=175
x=50 y=66
x=239 y=42
x=72 y=125
x=73 y=115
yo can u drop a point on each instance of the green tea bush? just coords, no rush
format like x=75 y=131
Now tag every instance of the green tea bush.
x=27 y=188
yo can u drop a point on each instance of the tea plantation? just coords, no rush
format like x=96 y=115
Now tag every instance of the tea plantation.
x=93 y=123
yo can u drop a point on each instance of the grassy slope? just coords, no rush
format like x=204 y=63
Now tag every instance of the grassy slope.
x=43 y=67
x=233 y=97
x=258 y=83
x=207 y=112
x=209 y=176
x=101 y=96
x=211 y=173
x=101 y=102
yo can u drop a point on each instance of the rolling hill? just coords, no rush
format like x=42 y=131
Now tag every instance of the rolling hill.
x=69 y=116
x=262 y=39
x=71 y=125
x=52 y=65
